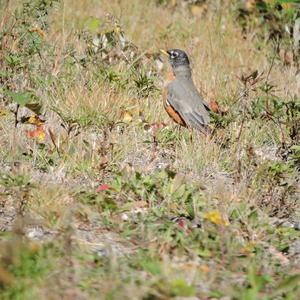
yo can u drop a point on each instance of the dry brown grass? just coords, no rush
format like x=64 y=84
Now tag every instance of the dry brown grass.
x=134 y=245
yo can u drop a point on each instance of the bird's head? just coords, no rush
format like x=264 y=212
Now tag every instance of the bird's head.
x=177 y=57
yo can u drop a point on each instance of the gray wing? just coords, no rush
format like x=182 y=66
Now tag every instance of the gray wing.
x=186 y=100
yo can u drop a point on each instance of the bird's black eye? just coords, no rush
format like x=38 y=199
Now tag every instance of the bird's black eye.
x=174 y=54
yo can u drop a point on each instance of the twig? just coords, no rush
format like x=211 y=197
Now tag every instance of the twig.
x=272 y=63
x=16 y=115
x=53 y=141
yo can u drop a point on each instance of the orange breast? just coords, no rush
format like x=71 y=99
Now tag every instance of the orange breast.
x=174 y=114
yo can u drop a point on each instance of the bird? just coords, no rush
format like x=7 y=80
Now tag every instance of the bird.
x=182 y=101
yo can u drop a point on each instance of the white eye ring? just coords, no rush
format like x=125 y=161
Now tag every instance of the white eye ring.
x=174 y=54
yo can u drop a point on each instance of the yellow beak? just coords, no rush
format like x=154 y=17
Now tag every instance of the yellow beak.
x=162 y=51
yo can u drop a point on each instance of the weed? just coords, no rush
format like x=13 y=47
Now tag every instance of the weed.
x=103 y=197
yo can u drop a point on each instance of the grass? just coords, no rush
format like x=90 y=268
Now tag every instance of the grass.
x=103 y=197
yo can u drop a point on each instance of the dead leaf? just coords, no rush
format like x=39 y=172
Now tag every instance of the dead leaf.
x=250 y=4
x=103 y=162
x=286 y=6
x=248 y=249
x=127 y=117
x=5 y=277
x=39 y=31
x=204 y=268
x=286 y=56
x=172 y=3
x=214 y=106
x=3 y=112
x=198 y=10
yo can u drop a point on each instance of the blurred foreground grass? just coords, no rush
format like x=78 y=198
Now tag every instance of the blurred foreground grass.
x=103 y=197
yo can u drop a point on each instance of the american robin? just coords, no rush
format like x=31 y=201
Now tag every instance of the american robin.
x=182 y=101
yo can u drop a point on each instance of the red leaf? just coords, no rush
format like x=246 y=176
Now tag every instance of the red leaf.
x=102 y=187
x=181 y=223
x=38 y=133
